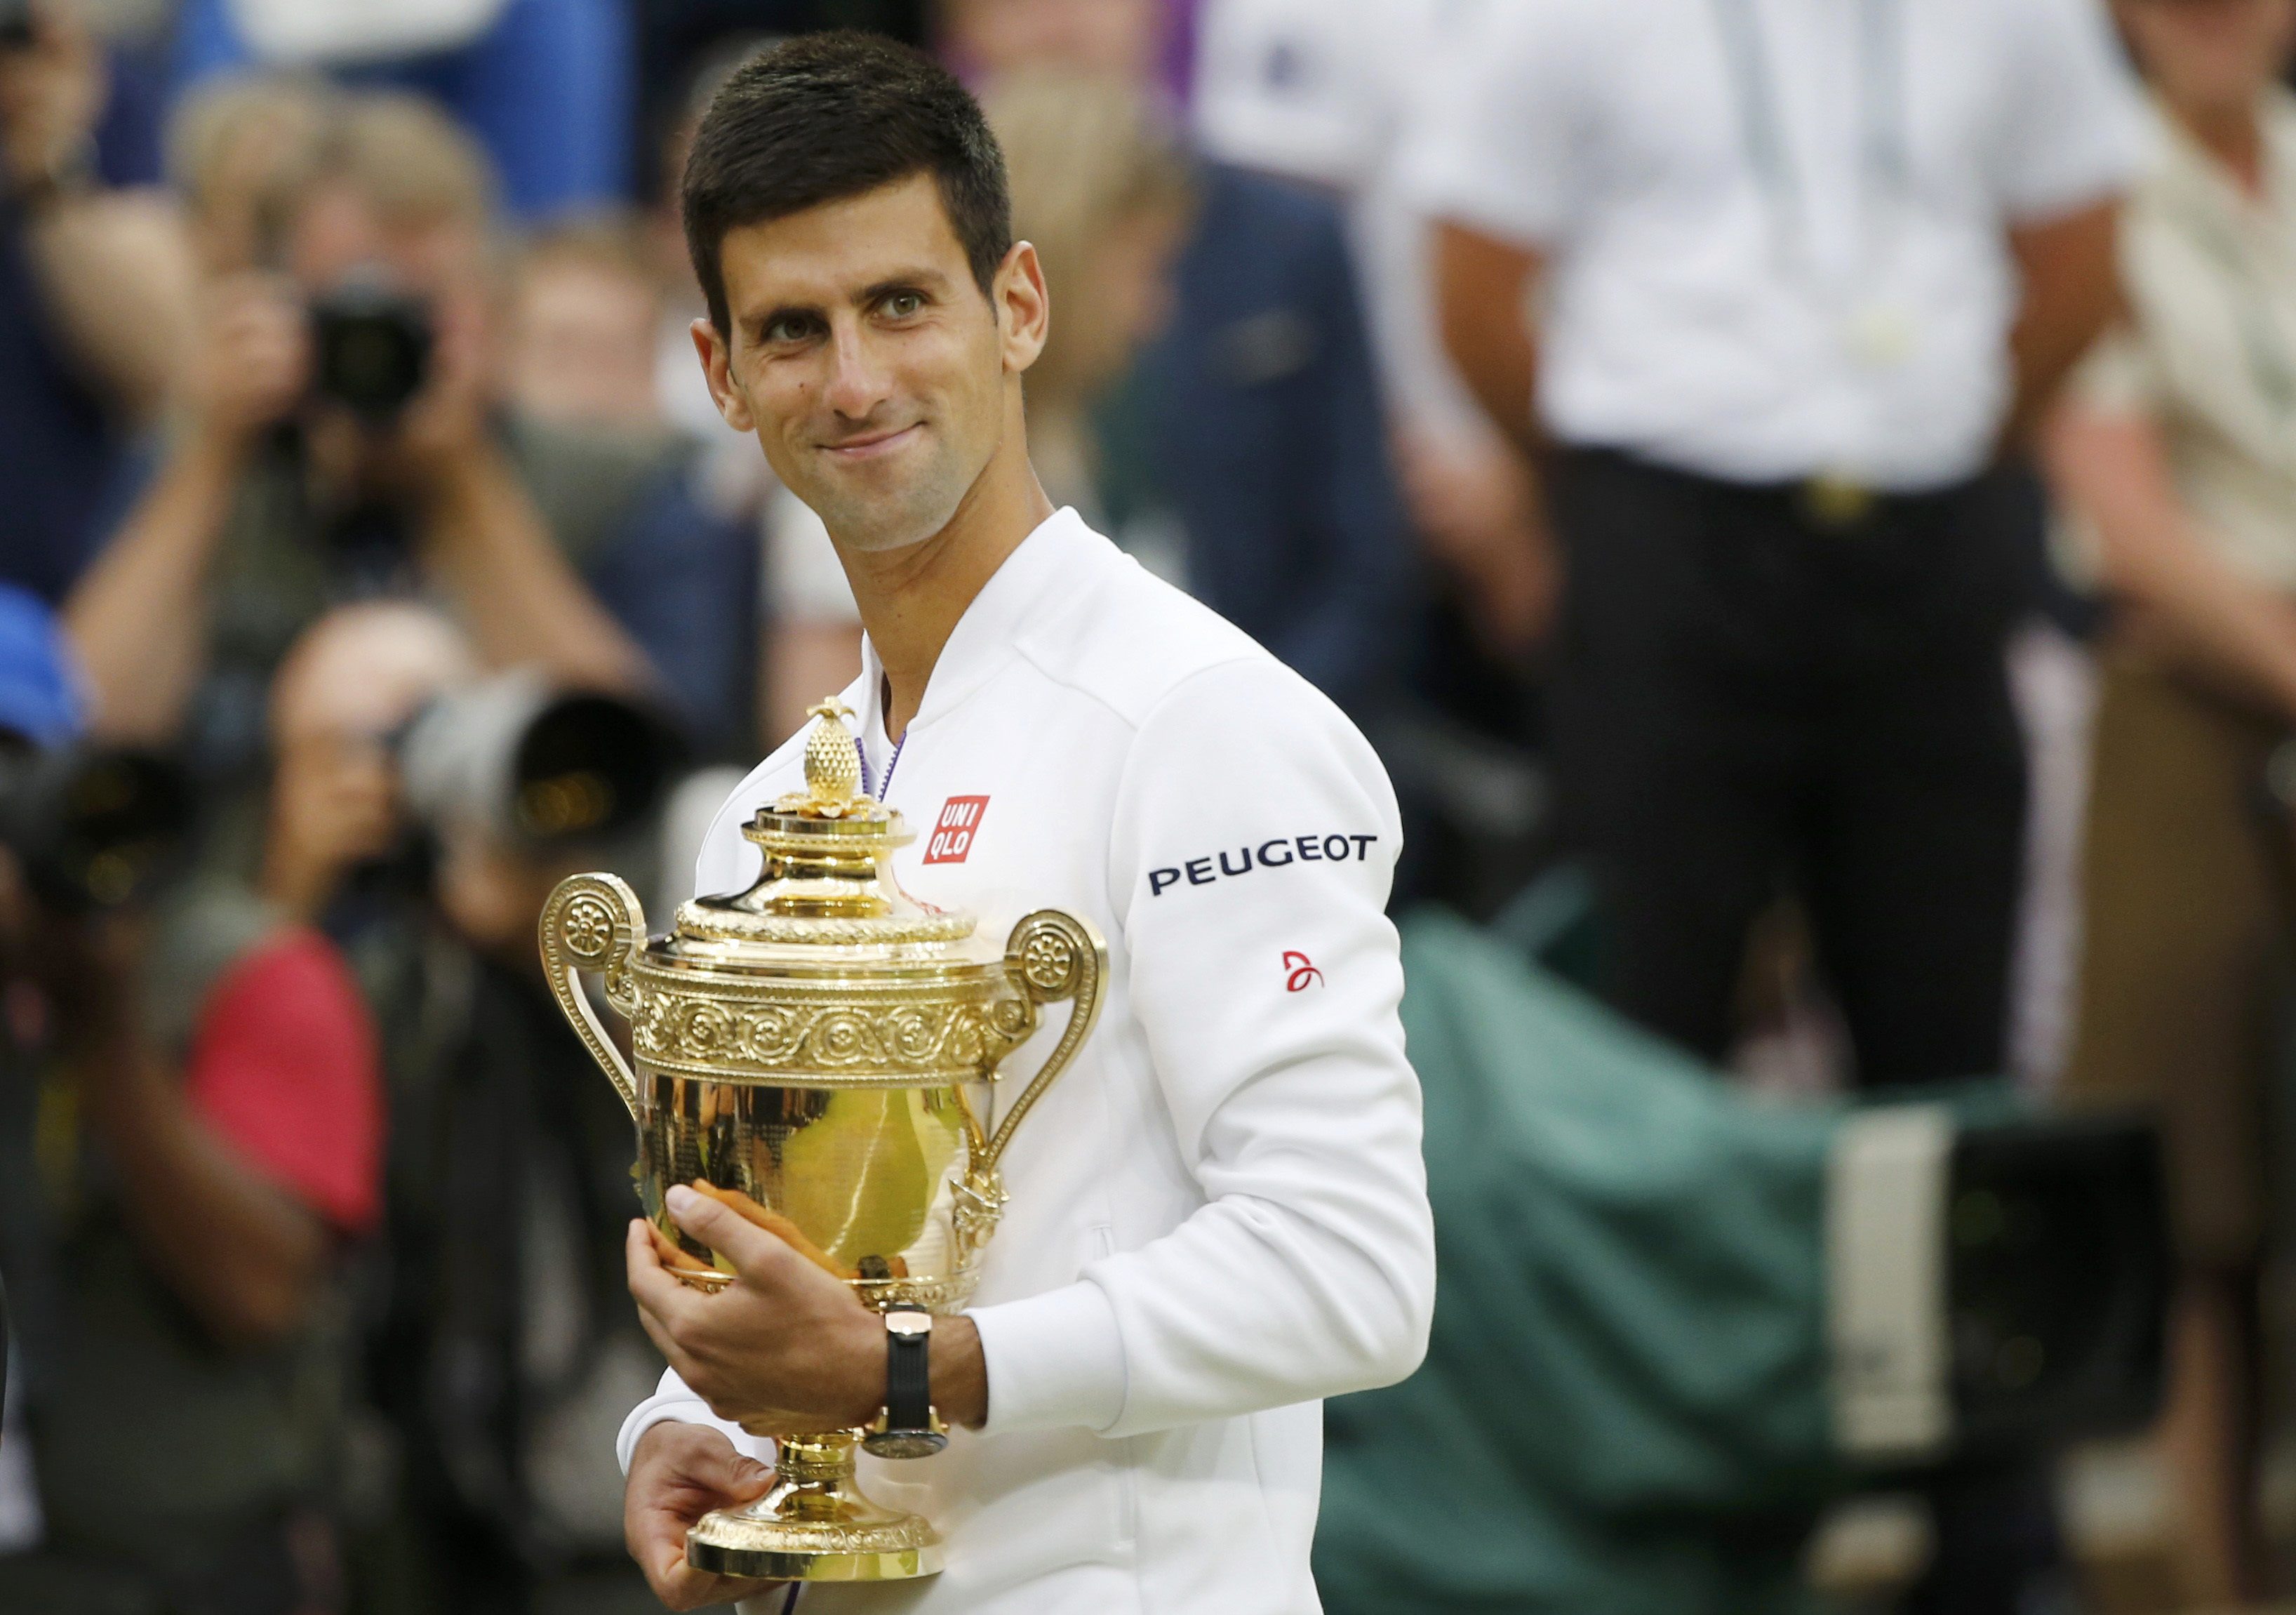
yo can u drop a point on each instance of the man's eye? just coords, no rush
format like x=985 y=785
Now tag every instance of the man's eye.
x=788 y=328
x=902 y=304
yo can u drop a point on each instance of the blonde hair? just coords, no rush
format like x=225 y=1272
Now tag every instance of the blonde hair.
x=613 y=243
x=410 y=162
x=241 y=152
x=245 y=152
x=1084 y=153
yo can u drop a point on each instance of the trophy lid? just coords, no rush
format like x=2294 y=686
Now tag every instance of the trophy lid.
x=828 y=872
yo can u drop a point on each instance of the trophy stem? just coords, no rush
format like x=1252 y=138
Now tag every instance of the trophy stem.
x=814 y=1525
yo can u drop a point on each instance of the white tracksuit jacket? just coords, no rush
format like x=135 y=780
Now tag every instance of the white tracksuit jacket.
x=1219 y=1215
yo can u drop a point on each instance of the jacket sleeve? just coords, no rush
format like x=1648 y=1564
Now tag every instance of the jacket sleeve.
x=1254 y=839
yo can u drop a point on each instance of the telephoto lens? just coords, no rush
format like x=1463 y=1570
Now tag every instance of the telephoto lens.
x=536 y=764
x=94 y=828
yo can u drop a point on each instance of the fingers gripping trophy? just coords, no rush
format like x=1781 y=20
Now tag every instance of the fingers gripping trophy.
x=812 y=1052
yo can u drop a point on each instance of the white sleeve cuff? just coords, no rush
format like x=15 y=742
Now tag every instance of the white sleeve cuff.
x=1053 y=1360
x=672 y=1401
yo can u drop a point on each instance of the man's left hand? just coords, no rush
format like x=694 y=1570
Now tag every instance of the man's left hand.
x=786 y=1349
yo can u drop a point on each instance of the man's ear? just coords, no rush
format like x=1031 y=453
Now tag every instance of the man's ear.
x=717 y=365
x=1024 y=309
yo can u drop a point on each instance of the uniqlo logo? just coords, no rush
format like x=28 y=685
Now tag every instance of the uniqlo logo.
x=952 y=837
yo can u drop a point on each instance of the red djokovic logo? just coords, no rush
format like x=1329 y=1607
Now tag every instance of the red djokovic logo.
x=952 y=837
x=1299 y=972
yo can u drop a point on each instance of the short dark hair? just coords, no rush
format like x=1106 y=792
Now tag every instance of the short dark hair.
x=828 y=116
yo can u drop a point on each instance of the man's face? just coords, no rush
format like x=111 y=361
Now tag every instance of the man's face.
x=865 y=358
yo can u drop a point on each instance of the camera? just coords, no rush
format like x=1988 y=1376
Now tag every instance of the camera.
x=16 y=30
x=537 y=766
x=94 y=828
x=372 y=347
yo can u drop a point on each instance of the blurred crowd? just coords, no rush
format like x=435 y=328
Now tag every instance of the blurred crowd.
x=1822 y=476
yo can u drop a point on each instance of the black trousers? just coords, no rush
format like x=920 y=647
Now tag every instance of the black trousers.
x=1748 y=692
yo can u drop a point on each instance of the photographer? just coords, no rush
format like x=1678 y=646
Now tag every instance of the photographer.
x=506 y=1351
x=343 y=440
x=198 y=1090
x=96 y=298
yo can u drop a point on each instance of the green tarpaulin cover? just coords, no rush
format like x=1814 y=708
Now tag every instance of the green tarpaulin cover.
x=1623 y=1405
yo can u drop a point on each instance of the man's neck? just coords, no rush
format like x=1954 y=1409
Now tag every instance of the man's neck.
x=911 y=599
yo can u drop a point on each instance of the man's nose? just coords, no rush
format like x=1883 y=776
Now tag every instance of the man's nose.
x=857 y=381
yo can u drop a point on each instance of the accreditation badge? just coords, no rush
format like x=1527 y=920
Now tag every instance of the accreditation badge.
x=1880 y=335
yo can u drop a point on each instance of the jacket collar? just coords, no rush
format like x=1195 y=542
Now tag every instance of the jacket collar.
x=1035 y=578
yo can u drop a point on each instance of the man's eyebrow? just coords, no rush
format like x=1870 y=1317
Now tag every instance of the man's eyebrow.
x=902 y=279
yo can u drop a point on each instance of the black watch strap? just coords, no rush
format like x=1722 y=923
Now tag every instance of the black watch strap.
x=907 y=1428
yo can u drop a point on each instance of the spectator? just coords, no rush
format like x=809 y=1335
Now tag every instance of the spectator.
x=493 y=1314
x=1321 y=91
x=1801 y=276
x=95 y=299
x=280 y=497
x=239 y=153
x=545 y=84
x=172 y=1265
x=585 y=309
x=1245 y=454
x=985 y=39
x=2175 y=447
x=1103 y=194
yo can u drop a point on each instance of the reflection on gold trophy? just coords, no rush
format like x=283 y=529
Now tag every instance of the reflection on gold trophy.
x=810 y=1044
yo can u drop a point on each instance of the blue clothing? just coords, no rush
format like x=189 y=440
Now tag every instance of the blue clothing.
x=39 y=691
x=684 y=582
x=547 y=90
x=1263 y=413
x=58 y=448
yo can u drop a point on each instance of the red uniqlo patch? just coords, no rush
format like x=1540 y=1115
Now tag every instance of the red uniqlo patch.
x=952 y=837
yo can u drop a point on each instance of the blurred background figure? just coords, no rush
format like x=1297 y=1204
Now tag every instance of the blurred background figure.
x=344 y=437
x=585 y=315
x=194 y=1127
x=2178 y=449
x=1744 y=266
x=502 y=1353
x=96 y=301
x=545 y=85
x=1101 y=189
x=1242 y=455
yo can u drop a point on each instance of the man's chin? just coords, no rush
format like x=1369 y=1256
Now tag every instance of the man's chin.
x=874 y=523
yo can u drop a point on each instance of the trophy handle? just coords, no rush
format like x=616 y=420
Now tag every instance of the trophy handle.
x=1052 y=955
x=593 y=922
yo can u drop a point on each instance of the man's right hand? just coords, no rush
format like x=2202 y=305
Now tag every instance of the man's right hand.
x=678 y=1473
x=254 y=358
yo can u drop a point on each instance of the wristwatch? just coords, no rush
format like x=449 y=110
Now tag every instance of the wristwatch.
x=908 y=1427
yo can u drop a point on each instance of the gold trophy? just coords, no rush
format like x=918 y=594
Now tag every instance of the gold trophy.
x=813 y=1042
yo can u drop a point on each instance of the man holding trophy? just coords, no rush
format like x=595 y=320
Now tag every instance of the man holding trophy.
x=1218 y=1216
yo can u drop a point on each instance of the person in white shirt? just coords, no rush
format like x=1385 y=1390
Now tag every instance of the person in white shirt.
x=1774 y=288
x=1218 y=1216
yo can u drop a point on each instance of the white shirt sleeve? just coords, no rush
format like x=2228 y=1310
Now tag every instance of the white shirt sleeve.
x=1268 y=996
x=2074 y=133
x=1498 y=142
x=672 y=1401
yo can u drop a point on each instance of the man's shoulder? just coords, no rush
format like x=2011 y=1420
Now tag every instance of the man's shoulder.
x=1130 y=641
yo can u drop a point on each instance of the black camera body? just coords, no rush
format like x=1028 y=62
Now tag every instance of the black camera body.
x=372 y=348
x=93 y=827
x=16 y=32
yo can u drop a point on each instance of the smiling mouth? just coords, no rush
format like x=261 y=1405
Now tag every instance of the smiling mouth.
x=873 y=443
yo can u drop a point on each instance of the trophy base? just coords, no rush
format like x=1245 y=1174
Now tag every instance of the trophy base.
x=814 y=1525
